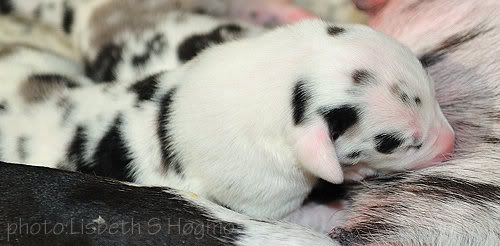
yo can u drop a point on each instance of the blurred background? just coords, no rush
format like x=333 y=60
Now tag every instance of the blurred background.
x=15 y=30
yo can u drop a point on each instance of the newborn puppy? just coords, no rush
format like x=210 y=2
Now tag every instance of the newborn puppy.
x=250 y=124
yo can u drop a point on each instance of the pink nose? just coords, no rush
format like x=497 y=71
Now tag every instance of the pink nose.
x=444 y=145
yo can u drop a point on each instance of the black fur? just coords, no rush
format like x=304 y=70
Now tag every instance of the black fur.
x=335 y=30
x=76 y=150
x=68 y=19
x=112 y=157
x=362 y=76
x=6 y=6
x=146 y=88
x=491 y=139
x=354 y=155
x=386 y=143
x=457 y=189
x=418 y=101
x=193 y=45
x=79 y=209
x=154 y=46
x=449 y=45
x=325 y=192
x=169 y=158
x=3 y=106
x=300 y=99
x=340 y=119
x=103 y=68
x=53 y=79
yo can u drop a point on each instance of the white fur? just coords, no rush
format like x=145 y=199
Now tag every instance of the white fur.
x=231 y=122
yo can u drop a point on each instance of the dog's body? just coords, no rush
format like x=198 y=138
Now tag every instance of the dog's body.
x=181 y=128
x=42 y=206
x=457 y=203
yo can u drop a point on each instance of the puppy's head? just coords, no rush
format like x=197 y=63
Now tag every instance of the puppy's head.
x=364 y=98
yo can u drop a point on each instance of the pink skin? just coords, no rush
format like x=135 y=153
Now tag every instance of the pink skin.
x=317 y=153
x=269 y=12
x=444 y=145
x=371 y=7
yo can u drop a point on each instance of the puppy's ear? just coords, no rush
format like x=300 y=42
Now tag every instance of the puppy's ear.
x=316 y=152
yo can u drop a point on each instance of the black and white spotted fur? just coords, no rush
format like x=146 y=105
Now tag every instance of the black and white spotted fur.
x=457 y=203
x=112 y=131
x=116 y=46
x=177 y=128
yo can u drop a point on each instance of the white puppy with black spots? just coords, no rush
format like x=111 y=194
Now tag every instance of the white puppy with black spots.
x=251 y=124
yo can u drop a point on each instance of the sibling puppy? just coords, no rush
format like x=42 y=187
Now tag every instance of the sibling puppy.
x=250 y=124
x=53 y=207
x=161 y=35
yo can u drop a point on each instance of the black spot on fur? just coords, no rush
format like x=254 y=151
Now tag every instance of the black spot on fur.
x=193 y=45
x=405 y=98
x=68 y=18
x=154 y=46
x=450 y=45
x=6 y=6
x=146 y=88
x=335 y=30
x=112 y=157
x=300 y=98
x=21 y=148
x=76 y=150
x=103 y=68
x=354 y=155
x=362 y=76
x=325 y=192
x=3 y=106
x=169 y=158
x=491 y=140
x=54 y=79
x=340 y=119
x=418 y=101
x=143 y=215
x=386 y=143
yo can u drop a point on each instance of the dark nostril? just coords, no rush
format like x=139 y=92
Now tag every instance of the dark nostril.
x=386 y=143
